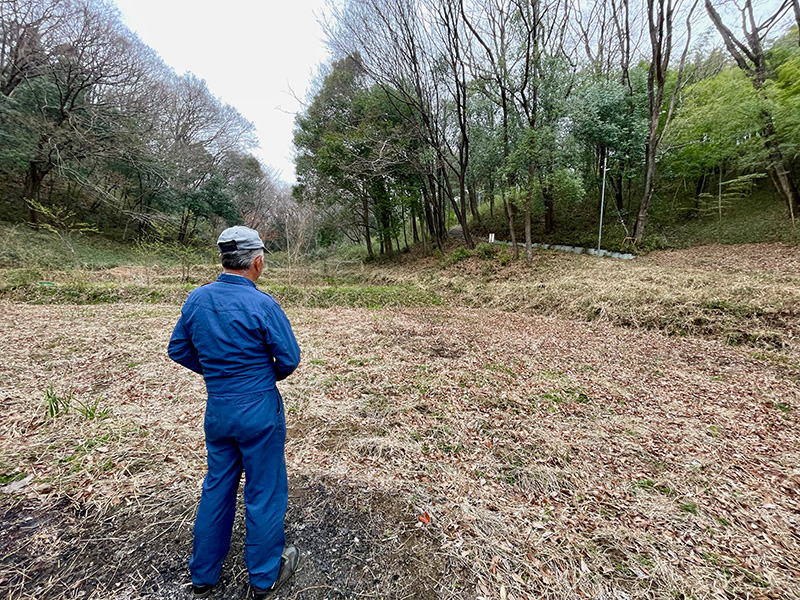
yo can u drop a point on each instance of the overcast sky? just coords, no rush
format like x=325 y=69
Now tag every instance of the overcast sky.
x=253 y=54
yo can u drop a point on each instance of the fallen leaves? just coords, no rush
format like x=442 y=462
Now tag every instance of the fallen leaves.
x=556 y=455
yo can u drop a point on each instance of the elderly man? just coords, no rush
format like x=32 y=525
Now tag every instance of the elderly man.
x=241 y=342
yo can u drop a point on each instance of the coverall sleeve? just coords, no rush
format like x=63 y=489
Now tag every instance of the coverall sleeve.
x=281 y=343
x=182 y=350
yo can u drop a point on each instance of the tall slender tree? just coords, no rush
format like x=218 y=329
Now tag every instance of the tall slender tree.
x=661 y=16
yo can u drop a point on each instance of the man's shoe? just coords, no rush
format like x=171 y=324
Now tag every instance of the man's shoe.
x=201 y=591
x=289 y=559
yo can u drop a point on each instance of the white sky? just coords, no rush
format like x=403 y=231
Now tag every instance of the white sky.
x=254 y=54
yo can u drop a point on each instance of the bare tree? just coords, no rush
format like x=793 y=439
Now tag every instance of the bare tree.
x=492 y=62
x=661 y=16
x=198 y=133
x=414 y=51
x=455 y=50
x=543 y=31
x=22 y=54
x=63 y=62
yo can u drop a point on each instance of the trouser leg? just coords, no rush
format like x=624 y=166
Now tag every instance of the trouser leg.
x=265 y=495
x=214 y=522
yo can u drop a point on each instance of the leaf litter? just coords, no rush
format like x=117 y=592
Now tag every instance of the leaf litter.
x=434 y=452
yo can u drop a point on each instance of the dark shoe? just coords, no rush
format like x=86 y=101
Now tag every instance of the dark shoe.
x=201 y=591
x=289 y=560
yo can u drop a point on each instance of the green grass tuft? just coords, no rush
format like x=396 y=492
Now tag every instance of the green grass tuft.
x=356 y=296
x=55 y=404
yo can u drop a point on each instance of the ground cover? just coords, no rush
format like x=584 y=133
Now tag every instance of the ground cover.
x=747 y=294
x=439 y=450
x=675 y=220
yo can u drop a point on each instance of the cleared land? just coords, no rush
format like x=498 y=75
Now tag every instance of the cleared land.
x=446 y=447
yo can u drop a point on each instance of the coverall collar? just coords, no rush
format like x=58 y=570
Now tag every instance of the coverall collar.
x=237 y=279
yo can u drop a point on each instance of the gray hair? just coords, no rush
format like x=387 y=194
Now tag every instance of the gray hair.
x=240 y=260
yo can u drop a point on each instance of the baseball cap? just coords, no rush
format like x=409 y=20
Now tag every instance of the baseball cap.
x=239 y=238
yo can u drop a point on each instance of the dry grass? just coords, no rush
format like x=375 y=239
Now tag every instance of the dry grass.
x=743 y=295
x=746 y=294
x=560 y=459
x=554 y=457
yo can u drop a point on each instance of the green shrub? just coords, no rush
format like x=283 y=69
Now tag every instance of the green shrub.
x=361 y=296
x=21 y=277
x=485 y=250
x=457 y=255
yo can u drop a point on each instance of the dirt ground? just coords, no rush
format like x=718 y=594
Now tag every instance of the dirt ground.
x=438 y=452
x=61 y=549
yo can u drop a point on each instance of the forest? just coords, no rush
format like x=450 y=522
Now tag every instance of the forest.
x=524 y=106
x=99 y=134
x=508 y=117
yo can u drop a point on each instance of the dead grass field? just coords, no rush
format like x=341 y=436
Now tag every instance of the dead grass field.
x=474 y=452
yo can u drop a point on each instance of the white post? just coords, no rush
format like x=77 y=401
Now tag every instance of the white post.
x=602 y=202
x=491 y=238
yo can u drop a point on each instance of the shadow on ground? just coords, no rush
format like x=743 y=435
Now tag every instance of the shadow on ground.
x=354 y=544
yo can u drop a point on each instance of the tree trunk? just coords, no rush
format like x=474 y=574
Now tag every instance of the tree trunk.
x=549 y=211
x=184 y=225
x=618 y=183
x=778 y=171
x=367 y=236
x=787 y=189
x=460 y=208
x=424 y=237
x=473 y=203
x=31 y=191
x=528 y=205
x=649 y=176
x=491 y=197
x=511 y=232
x=405 y=236
x=429 y=208
x=796 y=7
x=701 y=183
x=438 y=229
x=442 y=211
x=386 y=234
x=462 y=220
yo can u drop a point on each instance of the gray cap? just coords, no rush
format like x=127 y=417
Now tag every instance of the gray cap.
x=239 y=238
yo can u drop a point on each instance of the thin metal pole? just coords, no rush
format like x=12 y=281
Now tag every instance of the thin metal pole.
x=602 y=203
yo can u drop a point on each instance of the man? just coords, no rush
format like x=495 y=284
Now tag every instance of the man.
x=241 y=342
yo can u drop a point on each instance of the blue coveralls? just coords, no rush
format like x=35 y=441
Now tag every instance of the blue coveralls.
x=241 y=342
